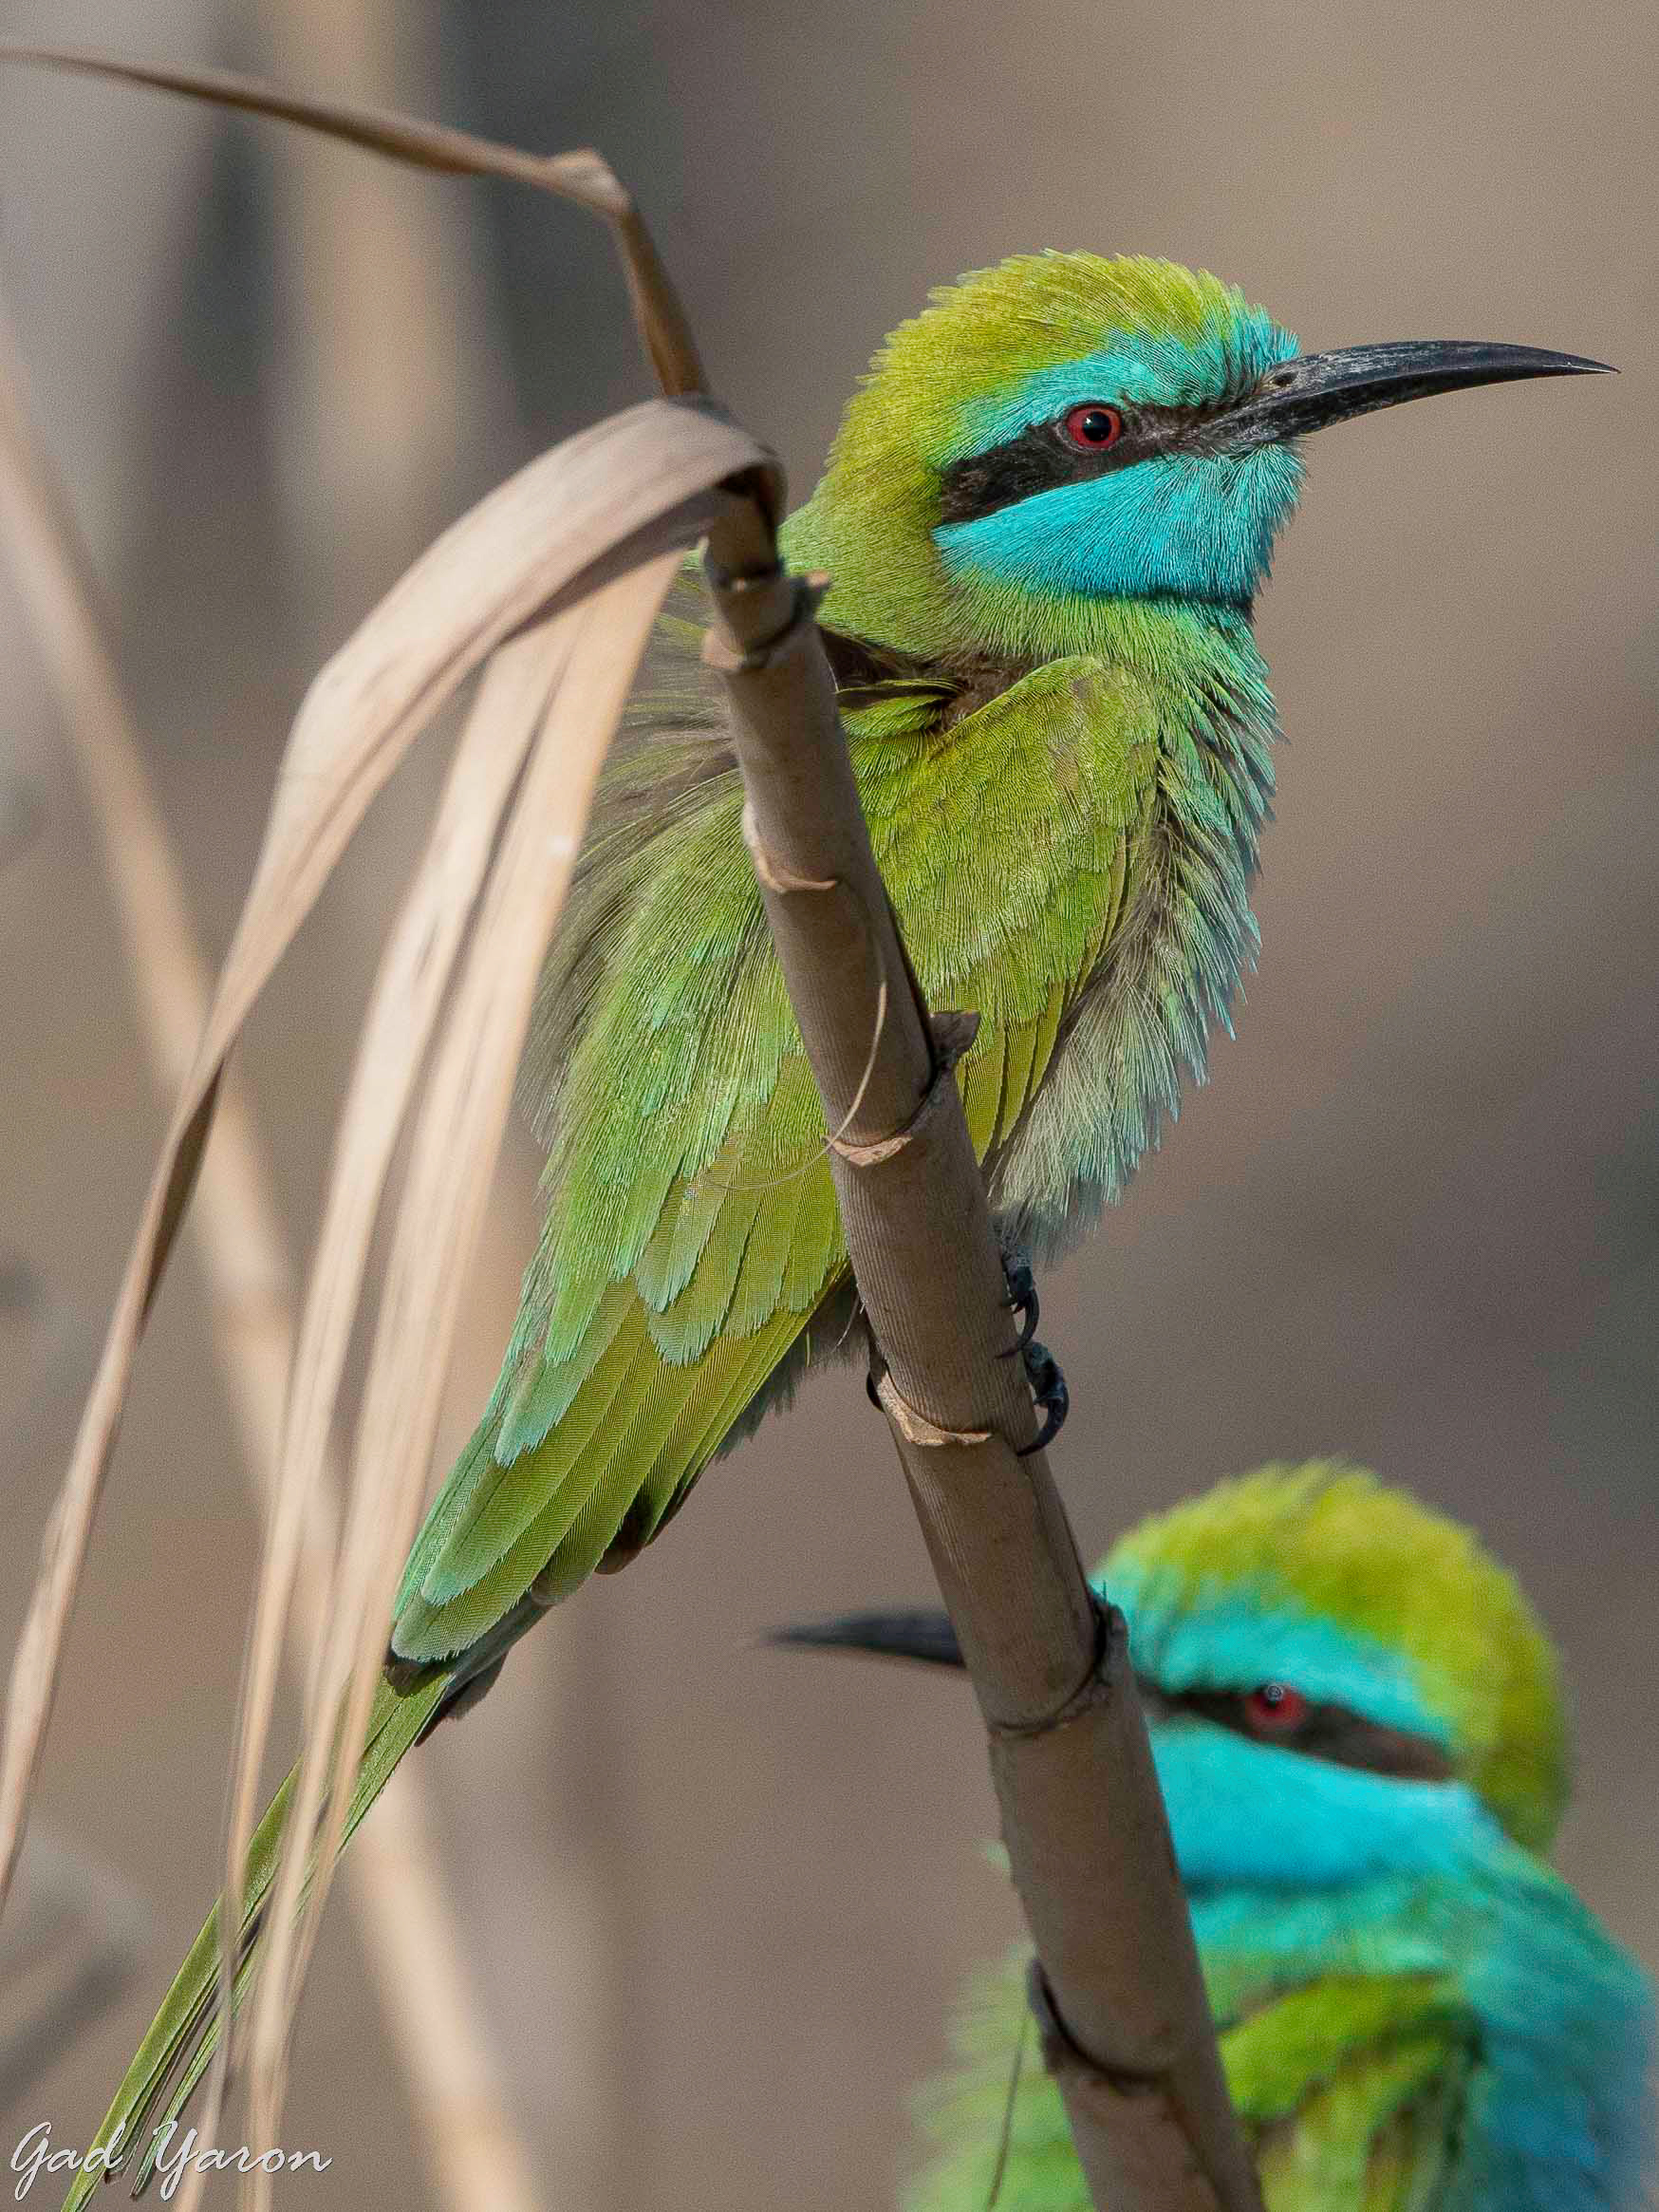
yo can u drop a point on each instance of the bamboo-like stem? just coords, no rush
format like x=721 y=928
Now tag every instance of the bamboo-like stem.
x=430 y=2002
x=1127 y=2025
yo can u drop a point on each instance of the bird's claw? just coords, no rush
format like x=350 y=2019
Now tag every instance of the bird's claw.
x=1042 y=1370
x=1021 y=1298
x=1047 y=1386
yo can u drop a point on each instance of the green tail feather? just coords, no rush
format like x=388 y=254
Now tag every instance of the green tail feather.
x=182 y=2037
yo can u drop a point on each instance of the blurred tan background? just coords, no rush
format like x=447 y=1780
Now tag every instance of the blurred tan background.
x=718 y=1898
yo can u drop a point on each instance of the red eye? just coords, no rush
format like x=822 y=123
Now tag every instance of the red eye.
x=1094 y=426
x=1275 y=1710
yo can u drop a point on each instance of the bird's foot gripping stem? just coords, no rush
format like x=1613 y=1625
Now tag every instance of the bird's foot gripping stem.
x=1048 y=1385
x=1042 y=1369
x=1022 y=1296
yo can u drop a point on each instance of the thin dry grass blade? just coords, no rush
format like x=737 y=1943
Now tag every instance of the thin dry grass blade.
x=456 y=1140
x=592 y=508
x=583 y=175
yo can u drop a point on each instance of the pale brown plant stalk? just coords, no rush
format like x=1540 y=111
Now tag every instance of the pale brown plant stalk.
x=373 y=712
x=1126 y=2025
x=602 y=503
x=432 y=2008
x=589 y=509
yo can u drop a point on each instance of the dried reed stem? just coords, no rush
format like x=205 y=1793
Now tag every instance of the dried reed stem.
x=1128 y=2032
x=431 y=2004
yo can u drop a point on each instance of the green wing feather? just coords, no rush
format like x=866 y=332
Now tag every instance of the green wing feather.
x=691 y=1234
x=1352 y=2090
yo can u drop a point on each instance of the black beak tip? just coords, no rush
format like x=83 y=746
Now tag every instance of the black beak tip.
x=797 y=1635
x=1314 y=389
x=911 y=1634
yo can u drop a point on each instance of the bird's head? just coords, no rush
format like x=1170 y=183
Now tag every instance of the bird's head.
x=1353 y=1672
x=1339 y=1683
x=1063 y=432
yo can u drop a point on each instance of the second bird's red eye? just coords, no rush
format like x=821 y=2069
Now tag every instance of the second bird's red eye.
x=1275 y=1709
x=1094 y=426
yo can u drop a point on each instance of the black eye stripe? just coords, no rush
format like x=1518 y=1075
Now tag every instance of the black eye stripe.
x=1041 y=458
x=1330 y=1732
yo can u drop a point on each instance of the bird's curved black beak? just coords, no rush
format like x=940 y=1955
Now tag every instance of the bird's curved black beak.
x=1316 y=389
x=920 y=1634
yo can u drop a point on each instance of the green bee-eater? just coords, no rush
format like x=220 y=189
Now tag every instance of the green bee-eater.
x=1357 y=1724
x=1046 y=516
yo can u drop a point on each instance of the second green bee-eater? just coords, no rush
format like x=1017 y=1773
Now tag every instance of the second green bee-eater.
x=1358 y=1728
x=1046 y=515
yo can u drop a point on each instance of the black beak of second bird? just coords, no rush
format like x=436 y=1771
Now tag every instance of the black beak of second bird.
x=1316 y=389
x=922 y=1633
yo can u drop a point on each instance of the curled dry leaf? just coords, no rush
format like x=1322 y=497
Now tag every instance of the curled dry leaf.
x=429 y=1999
x=598 y=506
x=415 y=973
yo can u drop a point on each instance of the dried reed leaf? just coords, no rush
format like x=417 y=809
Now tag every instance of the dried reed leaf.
x=596 y=506
x=456 y=1139
x=414 y=975
x=582 y=176
x=403 y=1915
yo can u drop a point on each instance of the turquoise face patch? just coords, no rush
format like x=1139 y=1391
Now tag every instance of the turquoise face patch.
x=1193 y=526
x=1198 y=526
x=1252 y=1815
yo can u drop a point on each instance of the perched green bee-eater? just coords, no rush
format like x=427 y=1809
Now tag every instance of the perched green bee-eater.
x=1357 y=1724
x=1046 y=515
